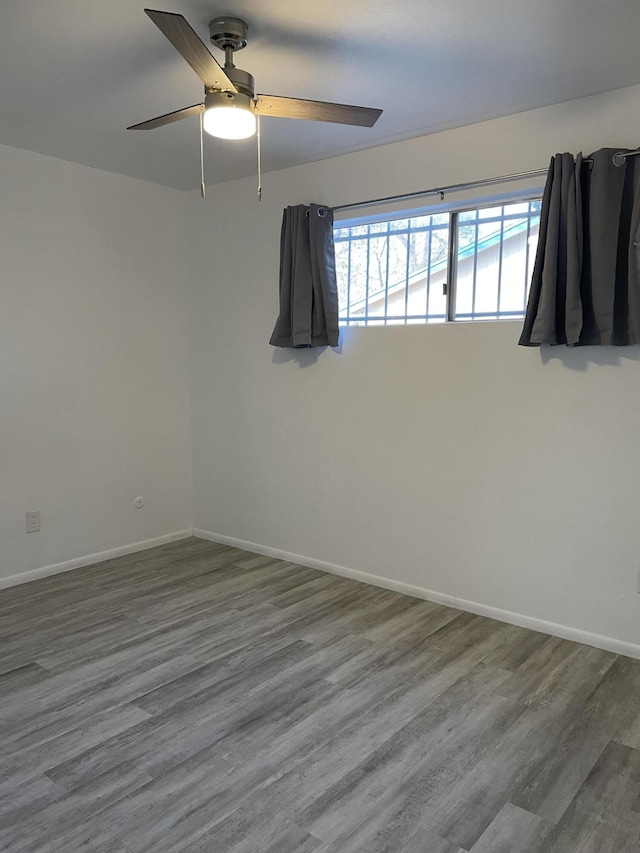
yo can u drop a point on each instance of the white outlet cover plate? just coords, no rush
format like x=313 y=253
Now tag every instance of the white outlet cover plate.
x=33 y=521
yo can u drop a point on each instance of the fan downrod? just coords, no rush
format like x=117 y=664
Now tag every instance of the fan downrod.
x=226 y=32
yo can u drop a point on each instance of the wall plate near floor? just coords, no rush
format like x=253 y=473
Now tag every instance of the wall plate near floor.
x=33 y=521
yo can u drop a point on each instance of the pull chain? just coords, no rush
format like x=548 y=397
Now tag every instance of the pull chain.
x=203 y=189
x=259 y=159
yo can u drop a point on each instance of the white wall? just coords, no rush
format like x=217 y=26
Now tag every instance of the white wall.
x=94 y=362
x=445 y=457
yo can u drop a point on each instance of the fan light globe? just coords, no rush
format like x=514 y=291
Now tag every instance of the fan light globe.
x=232 y=122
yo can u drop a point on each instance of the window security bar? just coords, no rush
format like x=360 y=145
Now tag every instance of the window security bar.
x=398 y=271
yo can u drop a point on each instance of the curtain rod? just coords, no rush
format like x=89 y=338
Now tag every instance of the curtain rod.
x=618 y=160
x=535 y=173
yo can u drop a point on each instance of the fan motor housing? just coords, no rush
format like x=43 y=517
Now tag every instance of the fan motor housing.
x=242 y=80
x=228 y=99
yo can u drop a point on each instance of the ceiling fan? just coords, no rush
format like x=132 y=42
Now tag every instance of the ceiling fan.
x=230 y=103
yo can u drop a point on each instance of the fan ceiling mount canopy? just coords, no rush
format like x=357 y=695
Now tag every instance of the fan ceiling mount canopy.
x=230 y=104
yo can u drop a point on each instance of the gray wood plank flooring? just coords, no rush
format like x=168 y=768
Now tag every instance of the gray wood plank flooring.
x=196 y=697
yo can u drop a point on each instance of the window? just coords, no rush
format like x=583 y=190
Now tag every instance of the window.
x=466 y=264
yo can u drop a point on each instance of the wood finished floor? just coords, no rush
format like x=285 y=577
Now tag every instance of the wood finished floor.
x=199 y=698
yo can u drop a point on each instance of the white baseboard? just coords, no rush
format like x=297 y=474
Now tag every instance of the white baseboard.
x=90 y=559
x=609 y=644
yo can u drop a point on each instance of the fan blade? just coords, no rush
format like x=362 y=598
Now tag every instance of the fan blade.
x=169 y=118
x=272 y=105
x=188 y=44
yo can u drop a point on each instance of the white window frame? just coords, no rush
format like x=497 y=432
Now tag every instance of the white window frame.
x=453 y=209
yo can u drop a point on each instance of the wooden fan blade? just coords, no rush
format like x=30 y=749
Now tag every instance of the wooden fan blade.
x=168 y=118
x=272 y=105
x=188 y=44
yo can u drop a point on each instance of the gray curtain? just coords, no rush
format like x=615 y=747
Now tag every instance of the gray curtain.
x=585 y=288
x=308 y=290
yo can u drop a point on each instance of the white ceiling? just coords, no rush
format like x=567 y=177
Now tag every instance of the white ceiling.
x=75 y=73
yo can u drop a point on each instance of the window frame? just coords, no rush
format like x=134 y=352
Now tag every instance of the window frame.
x=454 y=209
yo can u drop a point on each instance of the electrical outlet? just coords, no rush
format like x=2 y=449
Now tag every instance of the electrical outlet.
x=33 y=521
